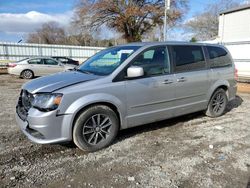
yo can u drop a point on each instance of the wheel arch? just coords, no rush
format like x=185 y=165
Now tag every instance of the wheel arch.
x=108 y=104
x=219 y=84
x=85 y=102
x=210 y=111
x=78 y=127
x=28 y=70
x=224 y=87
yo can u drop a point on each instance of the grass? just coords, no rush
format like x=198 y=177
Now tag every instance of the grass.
x=5 y=61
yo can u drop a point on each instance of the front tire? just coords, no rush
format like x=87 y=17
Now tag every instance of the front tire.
x=217 y=104
x=95 y=128
x=27 y=74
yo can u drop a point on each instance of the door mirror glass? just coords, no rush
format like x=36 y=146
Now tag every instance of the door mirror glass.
x=135 y=71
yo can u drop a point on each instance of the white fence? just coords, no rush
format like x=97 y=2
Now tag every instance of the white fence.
x=15 y=51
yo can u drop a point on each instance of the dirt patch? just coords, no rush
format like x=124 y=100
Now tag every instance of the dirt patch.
x=243 y=87
x=3 y=71
x=188 y=151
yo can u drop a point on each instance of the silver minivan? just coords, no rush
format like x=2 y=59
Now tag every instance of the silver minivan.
x=126 y=86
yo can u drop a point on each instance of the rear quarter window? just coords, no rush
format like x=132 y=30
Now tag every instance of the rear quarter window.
x=63 y=60
x=188 y=58
x=50 y=62
x=218 y=57
x=35 y=61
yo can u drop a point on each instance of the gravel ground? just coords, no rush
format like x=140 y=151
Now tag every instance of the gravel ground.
x=188 y=151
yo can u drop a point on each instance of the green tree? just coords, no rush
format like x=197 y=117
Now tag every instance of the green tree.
x=193 y=39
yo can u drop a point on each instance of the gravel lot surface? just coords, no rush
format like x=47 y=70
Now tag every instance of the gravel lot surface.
x=188 y=151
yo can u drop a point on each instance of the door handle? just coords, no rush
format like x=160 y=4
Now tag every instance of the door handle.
x=167 y=82
x=182 y=79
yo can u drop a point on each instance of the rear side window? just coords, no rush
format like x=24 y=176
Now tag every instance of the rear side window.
x=63 y=60
x=218 y=57
x=35 y=61
x=188 y=58
x=50 y=62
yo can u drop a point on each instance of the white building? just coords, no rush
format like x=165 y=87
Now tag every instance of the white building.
x=234 y=24
x=234 y=33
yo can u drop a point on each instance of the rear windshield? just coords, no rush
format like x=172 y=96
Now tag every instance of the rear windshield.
x=218 y=57
x=22 y=60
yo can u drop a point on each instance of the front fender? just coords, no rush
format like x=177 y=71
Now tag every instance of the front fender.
x=86 y=100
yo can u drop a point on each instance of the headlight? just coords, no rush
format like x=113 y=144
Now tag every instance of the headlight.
x=46 y=101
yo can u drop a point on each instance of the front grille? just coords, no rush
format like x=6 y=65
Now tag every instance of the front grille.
x=24 y=104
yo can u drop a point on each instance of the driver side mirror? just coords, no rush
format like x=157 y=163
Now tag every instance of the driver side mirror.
x=134 y=72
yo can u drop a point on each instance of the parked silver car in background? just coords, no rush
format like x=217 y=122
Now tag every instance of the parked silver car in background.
x=40 y=66
x=126 y=86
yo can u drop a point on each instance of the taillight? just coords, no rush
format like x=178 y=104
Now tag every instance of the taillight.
x=236 y=74
x=11 y=65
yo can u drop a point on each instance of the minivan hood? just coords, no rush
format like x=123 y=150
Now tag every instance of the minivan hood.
x=57 y=81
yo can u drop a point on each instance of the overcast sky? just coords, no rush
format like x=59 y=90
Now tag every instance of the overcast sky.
x=20 y=17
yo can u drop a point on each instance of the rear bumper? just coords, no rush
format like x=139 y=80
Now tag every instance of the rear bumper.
x=46 y=127
x=232 y=92
x=13 y=71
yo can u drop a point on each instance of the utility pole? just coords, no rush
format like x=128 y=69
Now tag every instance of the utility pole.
x=167 y=7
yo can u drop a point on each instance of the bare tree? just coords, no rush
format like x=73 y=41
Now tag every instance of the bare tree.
x=52 y=33
x=49 y=33
x=205 y=25
x=132 y=18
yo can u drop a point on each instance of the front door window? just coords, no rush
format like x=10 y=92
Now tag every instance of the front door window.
x=154 y=61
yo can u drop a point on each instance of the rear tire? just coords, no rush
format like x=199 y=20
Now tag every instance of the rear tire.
x=27 y=74
x=95 y=128
x=217 y=104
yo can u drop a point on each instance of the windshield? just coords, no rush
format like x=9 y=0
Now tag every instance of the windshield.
x=106 y=61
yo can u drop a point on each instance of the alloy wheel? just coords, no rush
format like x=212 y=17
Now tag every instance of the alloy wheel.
x=96 y=129
x=27 y=74
x=218 y=103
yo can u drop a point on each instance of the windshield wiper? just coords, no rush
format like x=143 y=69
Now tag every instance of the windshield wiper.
x=83 y=71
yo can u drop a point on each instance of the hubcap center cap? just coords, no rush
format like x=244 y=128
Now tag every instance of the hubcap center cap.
x=97 y=129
